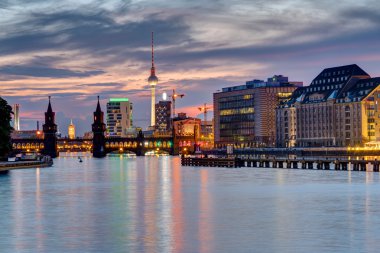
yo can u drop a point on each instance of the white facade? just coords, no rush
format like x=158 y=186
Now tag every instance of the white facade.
x=119 y=117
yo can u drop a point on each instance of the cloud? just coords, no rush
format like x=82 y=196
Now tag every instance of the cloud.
x=363 y=13
x=76 y=50
x=94 y=32
x=35 y=71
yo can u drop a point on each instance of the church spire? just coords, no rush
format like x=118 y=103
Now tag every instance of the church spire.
x=98 y=109
x=49 y=110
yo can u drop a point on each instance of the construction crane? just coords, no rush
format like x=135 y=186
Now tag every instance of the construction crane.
x=174 y=96
x=205 y=109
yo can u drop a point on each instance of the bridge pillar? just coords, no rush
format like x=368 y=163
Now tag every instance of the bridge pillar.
x=140 y=150
x=98 y=129
x=50 y=130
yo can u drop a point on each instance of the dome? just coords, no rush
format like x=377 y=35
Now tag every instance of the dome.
x=153 y=80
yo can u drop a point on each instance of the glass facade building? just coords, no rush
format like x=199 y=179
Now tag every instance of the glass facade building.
x=245 y=115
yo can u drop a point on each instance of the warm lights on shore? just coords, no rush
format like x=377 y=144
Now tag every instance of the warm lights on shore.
x=364 y=148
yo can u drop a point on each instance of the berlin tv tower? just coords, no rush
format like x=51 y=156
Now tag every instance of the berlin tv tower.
x=153 y=80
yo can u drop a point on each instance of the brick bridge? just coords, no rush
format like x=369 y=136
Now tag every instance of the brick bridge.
x=100 y=145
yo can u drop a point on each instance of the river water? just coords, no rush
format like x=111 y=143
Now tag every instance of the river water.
x=152 y=204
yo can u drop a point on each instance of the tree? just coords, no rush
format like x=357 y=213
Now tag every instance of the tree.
x=5 y=127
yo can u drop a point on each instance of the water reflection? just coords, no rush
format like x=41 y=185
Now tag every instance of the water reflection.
x=153 y=204
x=150 y=204
x=177 y=208
x=40 y=234
x=205 y=216
x=165 y=221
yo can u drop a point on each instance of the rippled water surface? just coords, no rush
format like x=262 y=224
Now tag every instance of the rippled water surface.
x=153 y=204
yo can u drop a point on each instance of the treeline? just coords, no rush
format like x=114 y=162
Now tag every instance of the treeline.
x=5 y=128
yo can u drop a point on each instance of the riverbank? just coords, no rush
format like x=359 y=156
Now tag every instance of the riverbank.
x=7 y=166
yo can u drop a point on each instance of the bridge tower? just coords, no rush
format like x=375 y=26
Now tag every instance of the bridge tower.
x=50 y=130
x=98 y=128
x=140 y=151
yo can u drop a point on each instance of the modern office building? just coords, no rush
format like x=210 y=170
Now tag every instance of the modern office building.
x=119 y=117
x=71 y=130
x=338 y=108
x=244 y=116
x=16 y=117
x=163 y=116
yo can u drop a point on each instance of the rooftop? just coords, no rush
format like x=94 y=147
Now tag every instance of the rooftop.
x=119 y=99
x=275 y=81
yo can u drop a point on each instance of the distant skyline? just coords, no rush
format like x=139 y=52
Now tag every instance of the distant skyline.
x=76 y=50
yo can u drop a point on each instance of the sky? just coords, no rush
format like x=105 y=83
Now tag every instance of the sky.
x=76 y=50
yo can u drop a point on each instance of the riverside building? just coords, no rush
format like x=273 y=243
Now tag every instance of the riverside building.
x=244 y=116
x=339 y=108
x=119 y=117
x=163 y=116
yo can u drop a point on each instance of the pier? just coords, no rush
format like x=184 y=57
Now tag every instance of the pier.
x=284 y=163
x=7 y=166
x=211 y=162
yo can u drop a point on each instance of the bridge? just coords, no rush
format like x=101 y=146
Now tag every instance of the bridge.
x=139 y=146
x=100 y=145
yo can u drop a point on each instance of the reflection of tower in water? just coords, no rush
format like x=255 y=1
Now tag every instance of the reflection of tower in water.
x=150 y=217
